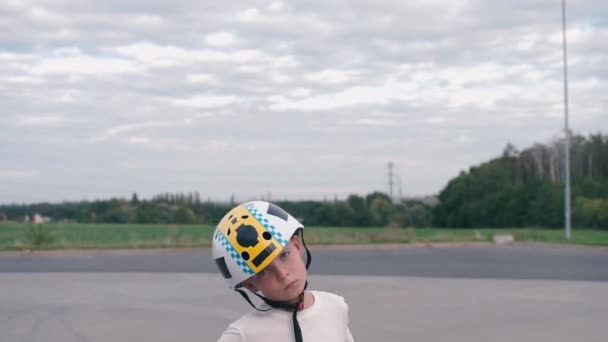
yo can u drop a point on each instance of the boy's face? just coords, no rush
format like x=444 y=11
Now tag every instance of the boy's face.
x=284 y=278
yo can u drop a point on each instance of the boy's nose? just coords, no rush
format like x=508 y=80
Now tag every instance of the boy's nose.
x=282 y=272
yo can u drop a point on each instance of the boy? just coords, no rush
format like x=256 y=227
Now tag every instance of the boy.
x=260 y=247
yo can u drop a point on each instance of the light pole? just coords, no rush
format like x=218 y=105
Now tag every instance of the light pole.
x=566 y=128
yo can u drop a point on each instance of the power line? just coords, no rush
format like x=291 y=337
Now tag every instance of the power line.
x=390 y=179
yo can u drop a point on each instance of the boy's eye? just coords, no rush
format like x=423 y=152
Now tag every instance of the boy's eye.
x=262 y=273
x=285 y=254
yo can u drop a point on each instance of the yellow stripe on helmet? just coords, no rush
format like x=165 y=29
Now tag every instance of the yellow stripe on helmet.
x=250 y=238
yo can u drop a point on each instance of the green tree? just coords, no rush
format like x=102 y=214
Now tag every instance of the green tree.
x=183 y=214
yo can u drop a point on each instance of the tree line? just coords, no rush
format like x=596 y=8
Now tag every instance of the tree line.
x=375 y=209
x=526 y=188
x=516 y=189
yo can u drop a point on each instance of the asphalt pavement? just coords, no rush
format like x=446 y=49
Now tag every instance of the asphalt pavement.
x=395 y=293
x=488 y=262
x=184 y=307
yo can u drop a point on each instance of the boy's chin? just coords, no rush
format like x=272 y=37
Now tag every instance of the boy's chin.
x=290 y=295
x=295 y=292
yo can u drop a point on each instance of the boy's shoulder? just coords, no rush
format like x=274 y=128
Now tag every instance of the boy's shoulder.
x=329 y=303
x=328 y=297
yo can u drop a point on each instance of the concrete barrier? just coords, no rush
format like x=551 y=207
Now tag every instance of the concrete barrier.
x=503 y=239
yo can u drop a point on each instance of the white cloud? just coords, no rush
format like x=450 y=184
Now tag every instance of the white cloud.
x=285 y=45
x=436 y=120
x=132 y=127
x=46 y=16
x=151 y=54
x=67 y=51
x=463 y=139
x=83 y=65
x=280 y=78
x=42 y=120
x=14 y=4
x=206 y=101
x=363 y=81
x=285 y=62
x=478 y=73
x=155 y=55
x=374 y=122
x=23 y=79
x=276 y=98
x=349 y=97
x=69 y=96
x=12 y=174
x=275 y=6
x=578 y=34
x=300 y=92
x=66 y=34
x=9 y=56
x=138 y=140
x=219 y=39
x=306 y=21
x=249 y=14
x=333 y=76
x=250 y=69
x=529 y=41
x=148 y=19
x=240 y=56
x=201 y=78
x=589 y=83
x=452 y=87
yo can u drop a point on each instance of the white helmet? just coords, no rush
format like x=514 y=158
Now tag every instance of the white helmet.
x=249 y=237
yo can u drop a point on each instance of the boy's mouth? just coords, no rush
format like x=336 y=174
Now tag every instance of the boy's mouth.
x=291 y=285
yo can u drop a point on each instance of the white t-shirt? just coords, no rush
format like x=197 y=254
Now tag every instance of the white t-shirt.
x=325 y=320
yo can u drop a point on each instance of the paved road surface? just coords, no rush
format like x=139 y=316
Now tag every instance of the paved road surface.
x=494 y=262
x=456 y=294
x=195 y=307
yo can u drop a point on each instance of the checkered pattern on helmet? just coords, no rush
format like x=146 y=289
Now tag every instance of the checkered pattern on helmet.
x=233 y=253
x=269 y=227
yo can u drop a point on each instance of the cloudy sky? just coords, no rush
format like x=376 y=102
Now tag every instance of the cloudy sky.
x=292 y=100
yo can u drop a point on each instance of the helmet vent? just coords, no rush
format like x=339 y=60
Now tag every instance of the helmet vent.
x=221 y=264
x=278 y=212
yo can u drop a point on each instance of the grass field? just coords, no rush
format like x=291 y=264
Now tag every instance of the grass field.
x=18 y=236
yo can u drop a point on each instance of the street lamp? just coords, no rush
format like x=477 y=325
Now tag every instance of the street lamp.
x=566 y=128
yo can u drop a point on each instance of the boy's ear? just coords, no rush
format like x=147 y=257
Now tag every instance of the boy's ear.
x=297 y=243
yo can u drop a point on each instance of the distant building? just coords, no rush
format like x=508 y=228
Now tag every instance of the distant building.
x=36 y=219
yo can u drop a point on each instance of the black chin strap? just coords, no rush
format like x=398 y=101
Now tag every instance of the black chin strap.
x=290 y=307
